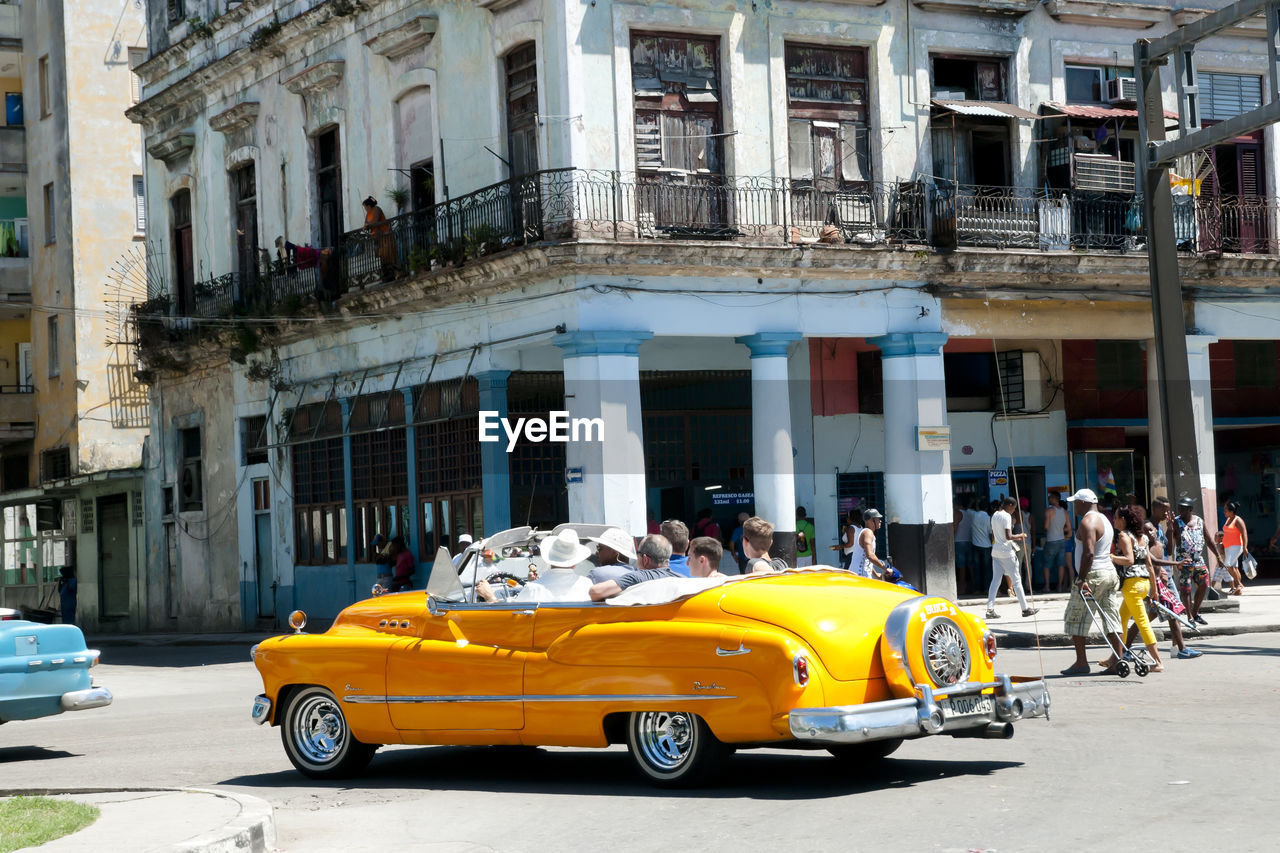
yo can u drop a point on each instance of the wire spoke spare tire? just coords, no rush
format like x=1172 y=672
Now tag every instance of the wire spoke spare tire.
x=317 y=738
x=674 y=748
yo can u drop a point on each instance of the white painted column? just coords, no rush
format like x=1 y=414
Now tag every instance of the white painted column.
x=772 y=455
x=602 y=380
x=1202 y=414
x=917 y=483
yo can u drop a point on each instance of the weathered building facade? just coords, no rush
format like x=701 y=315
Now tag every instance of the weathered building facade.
x=777 y=249
x=72 y=484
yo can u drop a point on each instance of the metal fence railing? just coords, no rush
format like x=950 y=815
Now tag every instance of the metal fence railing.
x=578 y=204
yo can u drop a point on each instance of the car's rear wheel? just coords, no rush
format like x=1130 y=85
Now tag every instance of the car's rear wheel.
x=674 y=749
x=865 y=754
x=317 y=738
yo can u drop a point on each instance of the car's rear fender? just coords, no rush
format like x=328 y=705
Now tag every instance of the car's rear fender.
x=740 y=679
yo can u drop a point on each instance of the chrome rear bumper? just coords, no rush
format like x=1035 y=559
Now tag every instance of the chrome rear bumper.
x=83 y=700
x=928 y=713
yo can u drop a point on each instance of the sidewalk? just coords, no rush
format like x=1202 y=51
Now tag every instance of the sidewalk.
x=191 y=820
x=1258 y=610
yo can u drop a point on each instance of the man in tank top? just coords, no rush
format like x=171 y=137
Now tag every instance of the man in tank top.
x=1094 y=574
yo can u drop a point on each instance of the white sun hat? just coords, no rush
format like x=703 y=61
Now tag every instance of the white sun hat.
x=617 y=539
x=1085 y=496
x=564 y=550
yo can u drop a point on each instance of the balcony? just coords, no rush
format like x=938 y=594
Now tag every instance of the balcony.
x=13 y=147
x=568 y=205
x=18 y=408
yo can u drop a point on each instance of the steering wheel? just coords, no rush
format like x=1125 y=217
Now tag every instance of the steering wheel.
x=507 y=579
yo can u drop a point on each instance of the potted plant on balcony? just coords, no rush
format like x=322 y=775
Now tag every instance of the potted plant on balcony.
x=399 y=197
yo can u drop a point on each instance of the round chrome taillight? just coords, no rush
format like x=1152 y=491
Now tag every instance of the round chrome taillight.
x=946 y=653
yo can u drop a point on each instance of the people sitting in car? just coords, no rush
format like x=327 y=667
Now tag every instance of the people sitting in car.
x=614 y=548
x=705 y=554
x=757 y=539
x=652 y=561
x=559 y=582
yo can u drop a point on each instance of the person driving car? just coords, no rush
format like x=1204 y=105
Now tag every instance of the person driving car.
x=560 y=582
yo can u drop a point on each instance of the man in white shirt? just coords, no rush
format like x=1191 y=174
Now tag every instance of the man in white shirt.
x=560 y=583
x=980 y=539
x=1004 y=558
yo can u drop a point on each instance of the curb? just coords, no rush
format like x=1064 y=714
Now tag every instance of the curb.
x=253 y=830
x=1023 y=640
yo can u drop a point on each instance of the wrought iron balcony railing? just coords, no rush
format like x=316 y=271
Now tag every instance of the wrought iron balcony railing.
x=577 y=204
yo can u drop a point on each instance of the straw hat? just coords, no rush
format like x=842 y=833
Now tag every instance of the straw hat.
x=617 y=539
x=564 y=550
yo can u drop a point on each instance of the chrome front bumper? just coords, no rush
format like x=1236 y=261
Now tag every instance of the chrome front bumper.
x=83 y=700
x=930 y=712
x=261 y=709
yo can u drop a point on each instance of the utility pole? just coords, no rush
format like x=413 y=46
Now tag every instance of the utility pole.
x=1155 y=157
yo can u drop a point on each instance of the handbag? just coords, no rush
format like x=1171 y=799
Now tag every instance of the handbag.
x=1248 y=565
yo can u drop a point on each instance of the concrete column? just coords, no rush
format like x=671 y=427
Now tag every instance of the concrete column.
x=772 y=453
x=1202 y=414
x=495 y=464
x=602 y=380
x=917 y=483
x=1155 y=427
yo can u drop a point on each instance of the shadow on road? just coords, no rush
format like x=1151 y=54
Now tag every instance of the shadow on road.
x=760 y=775
x=172 y=656
x=14 y=754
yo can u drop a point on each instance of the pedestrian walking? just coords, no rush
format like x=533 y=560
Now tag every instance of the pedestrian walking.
x=962 y=523
x=1186 y=533
x=68 y=587
x=1057 y=531
x=1095 y=576
x=980 y=540
x=849 y=532
x=805 y=534
x=1163 y=583
x=1133 y=567
x=1004 y=553
x=867 y=563
x=1234 y=543
x=404 y=566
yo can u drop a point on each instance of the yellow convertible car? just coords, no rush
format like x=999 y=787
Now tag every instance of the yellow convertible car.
x=683 y=671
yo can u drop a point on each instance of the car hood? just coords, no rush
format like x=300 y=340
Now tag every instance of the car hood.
x=839 y=615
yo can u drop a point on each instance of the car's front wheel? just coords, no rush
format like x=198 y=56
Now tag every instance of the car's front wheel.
x=317 y=738
x=674 y=749
x=866 y=754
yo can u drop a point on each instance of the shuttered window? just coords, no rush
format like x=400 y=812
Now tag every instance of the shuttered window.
x=1225 y=95
x=522 y=109
x=676 y=82
x=827 y=115
x=139 y=205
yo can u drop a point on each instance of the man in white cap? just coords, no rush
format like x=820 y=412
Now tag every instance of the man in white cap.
x=560 y=582
x=1096 y=575
x=464 y=542
x=615 y=548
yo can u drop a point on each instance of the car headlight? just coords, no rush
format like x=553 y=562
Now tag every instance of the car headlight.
x=297 y=621
x=253 y=652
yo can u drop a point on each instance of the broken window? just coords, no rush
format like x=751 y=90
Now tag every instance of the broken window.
x=522 y=109
x=184 y=267
x=244 y=192
x=677 y=103
x=968 y=79
x=328 y=176
x=827 y=115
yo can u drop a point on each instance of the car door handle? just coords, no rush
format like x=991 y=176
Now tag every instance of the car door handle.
x=525 y=612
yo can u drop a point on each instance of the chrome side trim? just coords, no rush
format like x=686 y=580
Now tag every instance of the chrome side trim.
x=584 y=697
x=82 y=700
x=918 y=716
x=728 y=653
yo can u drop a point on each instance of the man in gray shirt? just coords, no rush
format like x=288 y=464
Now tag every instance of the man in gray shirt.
x=652 y=558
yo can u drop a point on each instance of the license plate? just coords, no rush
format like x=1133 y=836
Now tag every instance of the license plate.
x=966 y=706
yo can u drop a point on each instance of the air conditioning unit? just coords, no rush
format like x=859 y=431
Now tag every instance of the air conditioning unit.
x=1122 y=90
x=190 y=488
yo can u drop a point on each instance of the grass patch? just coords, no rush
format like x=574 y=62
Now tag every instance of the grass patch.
x=32 y=821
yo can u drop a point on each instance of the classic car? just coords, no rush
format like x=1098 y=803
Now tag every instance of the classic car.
x=683 y=671
x=44 y=670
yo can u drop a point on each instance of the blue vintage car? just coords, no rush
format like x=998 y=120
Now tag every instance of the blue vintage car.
x=44 y=670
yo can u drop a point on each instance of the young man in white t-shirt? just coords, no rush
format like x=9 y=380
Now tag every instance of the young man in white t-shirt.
x=1004 y=559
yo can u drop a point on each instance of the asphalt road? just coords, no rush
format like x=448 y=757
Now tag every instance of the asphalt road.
x=1183 y=759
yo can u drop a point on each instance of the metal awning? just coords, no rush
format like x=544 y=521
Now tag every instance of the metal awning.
x=1099 y=113
x=989 y=109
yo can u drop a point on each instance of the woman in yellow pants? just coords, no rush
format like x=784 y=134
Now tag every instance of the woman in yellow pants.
x=1130 y=560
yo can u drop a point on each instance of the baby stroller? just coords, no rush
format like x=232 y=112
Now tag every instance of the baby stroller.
x=1141 y=661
